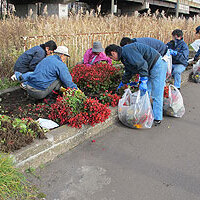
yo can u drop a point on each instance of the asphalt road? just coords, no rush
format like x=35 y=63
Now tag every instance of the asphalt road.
x=161 y=163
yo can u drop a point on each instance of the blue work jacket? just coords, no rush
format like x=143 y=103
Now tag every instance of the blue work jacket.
x=197 y=54
x=158 y=45
x=49 y=70
x=29 y=59
x=137 y=58
x=182 y=51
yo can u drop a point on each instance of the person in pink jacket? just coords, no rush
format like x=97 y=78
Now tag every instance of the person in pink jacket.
x=95 y=55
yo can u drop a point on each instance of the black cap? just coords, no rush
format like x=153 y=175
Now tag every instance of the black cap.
x=198 y=29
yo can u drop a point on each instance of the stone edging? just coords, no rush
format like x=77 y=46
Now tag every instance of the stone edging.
x=58 y=141
x=63 y=139
x=9 y=90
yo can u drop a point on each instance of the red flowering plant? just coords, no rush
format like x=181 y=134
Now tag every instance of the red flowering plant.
x=166 y=91
x=109 y=99
x=95 y=79
x=132 y=88
x=75 y=109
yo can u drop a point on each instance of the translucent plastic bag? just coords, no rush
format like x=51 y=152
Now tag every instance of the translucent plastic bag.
x=169 y=66
x=168 y=58
x=196 y=67
x=135 y=111
x=173 y=105
x=195 y=45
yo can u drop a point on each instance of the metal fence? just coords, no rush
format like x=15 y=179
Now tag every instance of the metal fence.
x=77 y=43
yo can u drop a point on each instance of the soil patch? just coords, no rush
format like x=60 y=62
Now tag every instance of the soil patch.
x=18 y=104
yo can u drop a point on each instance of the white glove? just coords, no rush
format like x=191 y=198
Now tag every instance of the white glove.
x=190 y=60
x=13 y=77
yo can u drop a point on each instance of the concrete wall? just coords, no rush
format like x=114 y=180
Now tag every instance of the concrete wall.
x=23 y=10
x=52 y=9
x=63 y=10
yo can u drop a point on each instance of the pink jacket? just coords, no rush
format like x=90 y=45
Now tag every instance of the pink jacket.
x=89 y=56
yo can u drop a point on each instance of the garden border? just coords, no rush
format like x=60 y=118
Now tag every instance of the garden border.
x=62 y=139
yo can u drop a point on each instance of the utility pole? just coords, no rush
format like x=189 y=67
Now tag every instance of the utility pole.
x=177 y=8
x=112 y=7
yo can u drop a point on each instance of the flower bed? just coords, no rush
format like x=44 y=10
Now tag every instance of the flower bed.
x=96 y=79
x=16 y=133
x=89 y=105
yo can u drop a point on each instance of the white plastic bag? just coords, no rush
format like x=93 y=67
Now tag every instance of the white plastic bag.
x=46 y=123
x=196 y=67
x=195 y=45
x=135 y=111
x=173 y=105
x=196 y=72
x=168 y=58
x=169 y=66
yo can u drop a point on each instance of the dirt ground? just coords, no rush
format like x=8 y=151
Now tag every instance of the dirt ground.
x=17 y=104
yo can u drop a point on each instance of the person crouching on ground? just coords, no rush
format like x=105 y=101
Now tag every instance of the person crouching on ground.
x=50 y=74
x=180 y=53
x=95 y=55
x=141 y=59
x=27 y=62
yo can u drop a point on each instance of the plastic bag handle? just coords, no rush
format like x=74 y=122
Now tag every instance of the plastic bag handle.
x=174 y=88
x=126 y=94
x=138 y=97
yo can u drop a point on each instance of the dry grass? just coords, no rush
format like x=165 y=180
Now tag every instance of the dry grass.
x=148 y=25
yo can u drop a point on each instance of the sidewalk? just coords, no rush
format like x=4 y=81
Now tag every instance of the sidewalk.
x=161 y=163
x=63 y=139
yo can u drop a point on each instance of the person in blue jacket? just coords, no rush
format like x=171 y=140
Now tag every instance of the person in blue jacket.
x=197 y=55
x=27 y=62
x=158 y=45
x=180 y=53
x=50 y=74
x=141 y=59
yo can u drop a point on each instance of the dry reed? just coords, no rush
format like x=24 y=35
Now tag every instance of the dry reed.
x=148 y=25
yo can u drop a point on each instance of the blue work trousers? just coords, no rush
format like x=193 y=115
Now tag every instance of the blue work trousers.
x=176 y=72
x=156 y=84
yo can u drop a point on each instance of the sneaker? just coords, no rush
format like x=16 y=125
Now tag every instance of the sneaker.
x=157 y=122
x=23 y=86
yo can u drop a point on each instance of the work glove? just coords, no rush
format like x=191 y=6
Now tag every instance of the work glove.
x=17 y=76
x=13 y=77
x=120 y=85
x=143 y=85
x=172 y=52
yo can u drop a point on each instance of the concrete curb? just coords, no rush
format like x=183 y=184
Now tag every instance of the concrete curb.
x=63 y=139
x=9 y=90
x=59 y=141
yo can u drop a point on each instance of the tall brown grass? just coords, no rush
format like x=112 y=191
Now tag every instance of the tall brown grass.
x=147 y=25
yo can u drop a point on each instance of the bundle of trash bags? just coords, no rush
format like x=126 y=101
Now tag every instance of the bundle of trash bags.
x=134 y=110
